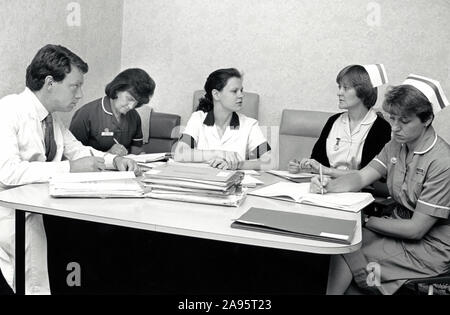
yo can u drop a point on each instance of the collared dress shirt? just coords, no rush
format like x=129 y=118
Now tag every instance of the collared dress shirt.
x=23 y=161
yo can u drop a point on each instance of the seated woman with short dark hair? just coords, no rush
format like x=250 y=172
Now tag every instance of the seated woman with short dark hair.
x=415 y=241
x=351 y=139
x=111 y=123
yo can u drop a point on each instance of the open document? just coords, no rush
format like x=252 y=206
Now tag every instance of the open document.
x=299 y=193
x=297 y=224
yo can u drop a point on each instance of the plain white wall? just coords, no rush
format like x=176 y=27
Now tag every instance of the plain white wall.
x=27 y=25
x=290 y=50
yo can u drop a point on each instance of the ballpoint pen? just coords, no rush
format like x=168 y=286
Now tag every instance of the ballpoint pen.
x=321 y=178
x=115 y=140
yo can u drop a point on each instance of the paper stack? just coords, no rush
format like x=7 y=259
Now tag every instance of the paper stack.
x=195 y=184
x=96 y=185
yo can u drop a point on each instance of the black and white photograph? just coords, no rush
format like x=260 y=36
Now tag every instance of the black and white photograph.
x=224 y=155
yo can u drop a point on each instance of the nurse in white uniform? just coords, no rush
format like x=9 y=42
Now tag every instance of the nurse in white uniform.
x=218 y=134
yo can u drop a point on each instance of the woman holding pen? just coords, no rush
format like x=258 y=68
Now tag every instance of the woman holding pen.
x=111 y=123
x=350 y=140
x=415 y=241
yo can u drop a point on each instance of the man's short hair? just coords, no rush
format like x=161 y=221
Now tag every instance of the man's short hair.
x=55 y=61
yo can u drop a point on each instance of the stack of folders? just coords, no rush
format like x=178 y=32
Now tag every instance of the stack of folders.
x=195 y=184
x=351 y=201
x=96 y=185
x=297 y=225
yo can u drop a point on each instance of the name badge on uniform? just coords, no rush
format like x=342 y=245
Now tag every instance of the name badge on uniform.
x=107 y=133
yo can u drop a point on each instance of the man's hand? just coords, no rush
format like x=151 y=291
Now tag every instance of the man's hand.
x=118 y=149
x=124 y=164
x=87 y=164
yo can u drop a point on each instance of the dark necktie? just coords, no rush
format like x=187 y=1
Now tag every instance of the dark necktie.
x=49 y=138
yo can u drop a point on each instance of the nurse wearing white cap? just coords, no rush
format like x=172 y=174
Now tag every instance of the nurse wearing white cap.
x=351 y=139
x=415 y=241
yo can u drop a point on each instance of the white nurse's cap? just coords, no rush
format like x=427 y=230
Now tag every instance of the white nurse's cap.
x=377 y=74
x=430 y=88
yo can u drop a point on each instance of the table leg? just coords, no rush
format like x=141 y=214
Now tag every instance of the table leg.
x=20 y=252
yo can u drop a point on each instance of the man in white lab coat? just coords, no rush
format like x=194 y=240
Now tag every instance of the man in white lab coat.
x=34 y=143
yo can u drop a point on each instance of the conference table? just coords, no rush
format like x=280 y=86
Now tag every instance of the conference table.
x=173 y=217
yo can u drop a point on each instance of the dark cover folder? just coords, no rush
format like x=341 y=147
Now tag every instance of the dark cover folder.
x=297 y=224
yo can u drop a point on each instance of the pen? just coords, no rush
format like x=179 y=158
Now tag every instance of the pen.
x=321 y=178
x=115 y=140
x=92 y=153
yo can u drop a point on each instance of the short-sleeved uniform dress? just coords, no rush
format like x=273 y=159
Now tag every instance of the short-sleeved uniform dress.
x=243 y=135
x=419 y=182
x=95 y=125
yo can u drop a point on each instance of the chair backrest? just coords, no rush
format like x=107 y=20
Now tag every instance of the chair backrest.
x=299 y=131
x=441 y=124
x=250 y=103
x=163 y=132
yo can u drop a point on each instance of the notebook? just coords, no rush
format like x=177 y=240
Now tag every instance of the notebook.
x=297 y=225
x=299 y=193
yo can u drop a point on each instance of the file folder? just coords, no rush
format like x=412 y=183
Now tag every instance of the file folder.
x=204 y=174
x=297 y=225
